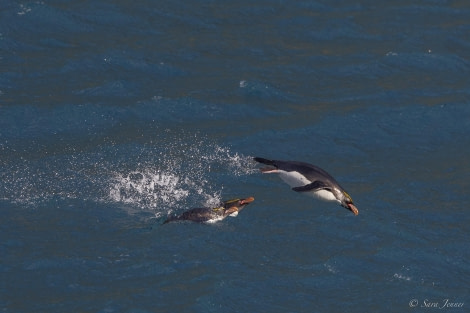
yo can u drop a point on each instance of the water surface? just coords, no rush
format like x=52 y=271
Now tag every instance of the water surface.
x=114 y=115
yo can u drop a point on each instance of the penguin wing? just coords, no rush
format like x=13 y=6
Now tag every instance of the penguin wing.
x=316 y=185
x=196 y=215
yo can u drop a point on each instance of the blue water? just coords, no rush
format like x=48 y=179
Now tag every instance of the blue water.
x=116 y=114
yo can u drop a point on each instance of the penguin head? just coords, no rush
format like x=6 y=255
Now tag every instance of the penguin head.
x=347 y=202
x=236 y=205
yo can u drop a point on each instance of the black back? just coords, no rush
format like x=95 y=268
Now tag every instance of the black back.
x=310 y=171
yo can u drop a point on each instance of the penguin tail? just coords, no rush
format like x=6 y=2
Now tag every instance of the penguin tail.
x=264 y=161
x=267 y=162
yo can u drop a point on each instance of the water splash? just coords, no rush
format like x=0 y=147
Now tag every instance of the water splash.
x=174 y=172
x=147 y=188
x=162 y=192
x=185 y=175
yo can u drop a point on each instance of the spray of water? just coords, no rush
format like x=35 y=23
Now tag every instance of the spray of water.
x=183 y=175
x=172 y=173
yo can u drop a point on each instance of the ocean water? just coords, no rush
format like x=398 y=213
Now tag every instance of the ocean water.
x=116 y=114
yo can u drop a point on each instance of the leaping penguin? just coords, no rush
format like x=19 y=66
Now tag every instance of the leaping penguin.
x=212 y=215
x=311 y=180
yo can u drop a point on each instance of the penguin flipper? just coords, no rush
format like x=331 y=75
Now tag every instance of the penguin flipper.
x=316 y=185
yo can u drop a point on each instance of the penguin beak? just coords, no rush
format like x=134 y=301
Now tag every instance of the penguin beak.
x=353 y=208
x=247 y=200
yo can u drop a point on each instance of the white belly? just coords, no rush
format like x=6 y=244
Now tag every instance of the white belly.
x=323 y=194
x=293 y=179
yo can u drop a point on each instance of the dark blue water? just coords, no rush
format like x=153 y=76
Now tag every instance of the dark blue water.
x=116 y=114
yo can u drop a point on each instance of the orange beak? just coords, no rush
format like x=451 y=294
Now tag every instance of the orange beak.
x=353 y=208
x=247 y=200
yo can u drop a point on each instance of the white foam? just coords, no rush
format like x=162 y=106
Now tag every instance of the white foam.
x=214 y=220
x=147 y=189
x=401 y=276
x=331 y=268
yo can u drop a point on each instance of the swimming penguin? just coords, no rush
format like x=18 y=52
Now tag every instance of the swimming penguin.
x=212 y=215
x=311 y=180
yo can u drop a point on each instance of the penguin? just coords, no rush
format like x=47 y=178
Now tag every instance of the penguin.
x=309 y=179
x=212 y=215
